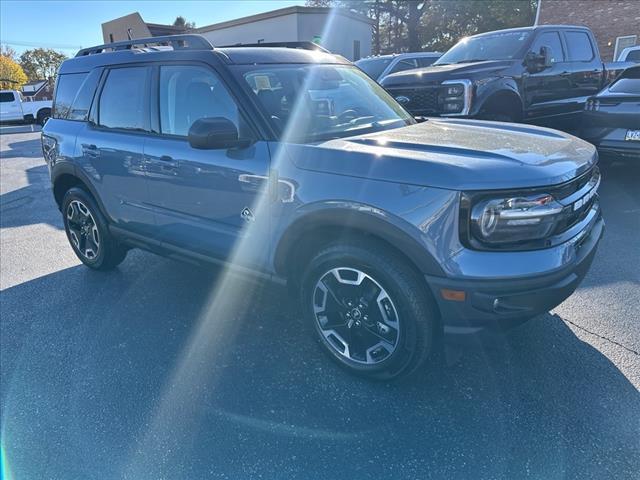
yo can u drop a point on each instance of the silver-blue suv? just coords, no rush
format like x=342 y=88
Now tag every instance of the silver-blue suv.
x=294 y=164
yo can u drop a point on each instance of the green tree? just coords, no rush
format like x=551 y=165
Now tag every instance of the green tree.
x=12 y=76
x=41 y=63
x=180 y=21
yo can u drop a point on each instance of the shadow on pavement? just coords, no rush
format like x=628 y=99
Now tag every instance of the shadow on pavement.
x=87 y=366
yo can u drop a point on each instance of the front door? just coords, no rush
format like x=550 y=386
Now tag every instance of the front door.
x=211 y=202
x=546 y=91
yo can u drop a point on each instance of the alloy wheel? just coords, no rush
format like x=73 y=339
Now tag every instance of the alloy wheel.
x=356 y=315
x=83 y=230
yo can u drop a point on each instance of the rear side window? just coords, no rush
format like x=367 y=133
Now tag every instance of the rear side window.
x=67 y=88
x=74 y=94
x=124 y=100
x=579 y=45
x=6 y=97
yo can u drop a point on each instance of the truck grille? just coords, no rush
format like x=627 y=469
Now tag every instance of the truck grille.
x=421 y=100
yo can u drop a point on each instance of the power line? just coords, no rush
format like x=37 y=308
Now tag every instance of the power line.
x=38 y=44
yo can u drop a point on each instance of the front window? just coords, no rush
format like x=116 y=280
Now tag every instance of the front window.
x=497 y=46
x=319 y=102
x=374 y=66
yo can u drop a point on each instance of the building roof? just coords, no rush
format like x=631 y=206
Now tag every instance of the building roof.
x=160 y=30
x=282 y=12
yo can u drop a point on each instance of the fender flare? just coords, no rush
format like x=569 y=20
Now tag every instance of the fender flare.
x=501 y=86
x=354 y=220
x=66 y=168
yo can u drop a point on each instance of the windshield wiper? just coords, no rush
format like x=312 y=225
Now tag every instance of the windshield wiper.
x=471 y=60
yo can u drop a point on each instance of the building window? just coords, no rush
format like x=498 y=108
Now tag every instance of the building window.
x=111 y=38
x=622 y=43
x=356 y=50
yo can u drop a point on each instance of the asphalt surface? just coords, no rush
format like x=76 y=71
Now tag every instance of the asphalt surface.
x=162 y=370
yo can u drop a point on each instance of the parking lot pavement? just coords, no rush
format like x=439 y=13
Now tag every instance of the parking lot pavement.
x=164 y=370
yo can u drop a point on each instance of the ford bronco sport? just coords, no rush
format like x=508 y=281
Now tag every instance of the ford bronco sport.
x=295 y=164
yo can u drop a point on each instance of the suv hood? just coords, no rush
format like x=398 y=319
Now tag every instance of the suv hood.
x=454 y=154
x=438 y=74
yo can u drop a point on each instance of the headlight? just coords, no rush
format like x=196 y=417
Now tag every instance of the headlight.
x=500 y=221
x=454 y=97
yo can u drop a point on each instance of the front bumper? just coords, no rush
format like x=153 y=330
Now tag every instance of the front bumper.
x=502 y=301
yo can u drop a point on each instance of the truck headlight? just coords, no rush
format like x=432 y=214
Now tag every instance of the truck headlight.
x=499 y=221
x=454 y=97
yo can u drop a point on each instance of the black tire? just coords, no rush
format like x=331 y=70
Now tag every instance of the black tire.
x=109 y=252
x=409 y=298
x=43 y=116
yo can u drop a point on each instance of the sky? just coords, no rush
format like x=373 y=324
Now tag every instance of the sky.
x=68 y=26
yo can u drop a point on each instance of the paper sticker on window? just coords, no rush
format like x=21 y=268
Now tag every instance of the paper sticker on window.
x=262 y=82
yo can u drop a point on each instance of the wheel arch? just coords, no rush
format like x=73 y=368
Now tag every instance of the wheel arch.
x=503 y=99
x=315 y=230
x=64 y=177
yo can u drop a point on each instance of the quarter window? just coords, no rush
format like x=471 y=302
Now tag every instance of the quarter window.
x=552 y=41
x=123 y=102
x=188 y=93
x=579 y=45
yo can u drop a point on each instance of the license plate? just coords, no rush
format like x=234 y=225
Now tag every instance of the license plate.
x=633 y=135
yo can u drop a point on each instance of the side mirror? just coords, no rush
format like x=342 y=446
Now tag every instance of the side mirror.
x=546 y=55
x=213 y=133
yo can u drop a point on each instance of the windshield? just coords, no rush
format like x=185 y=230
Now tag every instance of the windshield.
x=373 y=66
x=319 y=102
x=498 y=46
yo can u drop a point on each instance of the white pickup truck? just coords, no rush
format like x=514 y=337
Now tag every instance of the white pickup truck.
x=14 y=109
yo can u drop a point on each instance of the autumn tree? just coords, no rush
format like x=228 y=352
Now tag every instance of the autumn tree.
x=41 y=63
x=12 y=77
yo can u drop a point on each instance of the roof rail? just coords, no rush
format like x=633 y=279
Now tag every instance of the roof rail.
x=299 y=45
x=178 y=42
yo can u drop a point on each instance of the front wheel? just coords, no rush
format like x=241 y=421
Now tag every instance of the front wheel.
x=370 y=310
x=87 y=231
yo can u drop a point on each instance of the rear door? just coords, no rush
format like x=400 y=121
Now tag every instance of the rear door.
x=111 y=144
x=584 y=69
x=205 y=201
x=10 y=108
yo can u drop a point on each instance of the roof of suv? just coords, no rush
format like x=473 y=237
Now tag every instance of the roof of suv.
x=144 y=50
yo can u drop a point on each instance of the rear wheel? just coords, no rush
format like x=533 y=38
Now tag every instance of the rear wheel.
x=43 y=116
x=87 y=231
x=370 y=311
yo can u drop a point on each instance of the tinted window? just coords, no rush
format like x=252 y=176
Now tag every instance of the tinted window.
x=188 y=93
x=74 y=93
x=628 y=83
x=373 y=66
x=405 y=64
x=633 y=55
x=552 y=41
x=6 y=97
x=123 y=102
x=66 y=90
x=426 y=61
x=580 y=49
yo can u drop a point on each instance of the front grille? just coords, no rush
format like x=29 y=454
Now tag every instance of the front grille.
x=575 y=191
x=421 y=100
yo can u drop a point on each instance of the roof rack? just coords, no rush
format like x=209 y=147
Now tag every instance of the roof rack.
x=178 y=42
x=299 y=45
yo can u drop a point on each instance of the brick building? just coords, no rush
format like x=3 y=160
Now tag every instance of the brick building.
x=615 y=23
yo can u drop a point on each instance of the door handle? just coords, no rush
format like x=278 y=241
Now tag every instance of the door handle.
x=165 y=158
x=90 y=149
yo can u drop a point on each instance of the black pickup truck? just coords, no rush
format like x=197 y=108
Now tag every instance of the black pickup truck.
x=540 y=75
